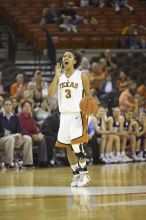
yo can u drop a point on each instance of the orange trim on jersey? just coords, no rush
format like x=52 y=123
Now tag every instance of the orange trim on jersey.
x=85 y=137
x=59 y=144
x=80 y=140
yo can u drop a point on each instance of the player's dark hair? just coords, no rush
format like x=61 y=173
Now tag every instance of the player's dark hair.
x=76 y=56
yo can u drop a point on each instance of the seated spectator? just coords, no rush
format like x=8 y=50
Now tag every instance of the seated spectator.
x=102 y=65
x=2 y=87
x=19 y=87
x=39 y=83
x=122 y=82
x=134 y=36
x=37 y=98
x=101 y=141
x=140 y=102
x=15 y=105
x=85 y=65
x=142 y=92
x=130 y=137
x=117 y=120
x=83 y=55
x=127 y=99
x=110 y=65
x=67 y=24
x=119 y=3
x=107 y=85
x=11 y=137
x=28 y=127
x=29 y=93
x=53 y=104
x=96 y=75
x=51 y=15
x=108 y=93
x=129 y=36
x=70 y=18
x=50 y=129
x=140 y=129
x=42 y=112
x=141 y=36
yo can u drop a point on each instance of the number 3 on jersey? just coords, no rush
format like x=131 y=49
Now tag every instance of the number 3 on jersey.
x=68 y=93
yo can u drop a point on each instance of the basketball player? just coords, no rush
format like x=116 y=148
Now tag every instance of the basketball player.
x=71 y=85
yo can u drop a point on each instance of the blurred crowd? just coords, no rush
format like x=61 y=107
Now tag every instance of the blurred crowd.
x=69 y=19
x=67 y=15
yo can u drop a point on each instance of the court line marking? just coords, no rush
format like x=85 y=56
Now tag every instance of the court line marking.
x=121 y=203
x=68 y=191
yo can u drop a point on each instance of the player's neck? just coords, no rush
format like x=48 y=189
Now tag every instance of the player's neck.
x=69 y=72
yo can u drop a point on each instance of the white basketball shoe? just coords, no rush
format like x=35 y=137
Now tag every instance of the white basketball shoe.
x=83 y=180
x=75 y=180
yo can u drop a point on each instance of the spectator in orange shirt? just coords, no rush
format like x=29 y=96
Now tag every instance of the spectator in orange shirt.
x=110 y=65
x=142 y=92
x=122 y=82
x=19 y=87
x=97 y=75
x=127 y=99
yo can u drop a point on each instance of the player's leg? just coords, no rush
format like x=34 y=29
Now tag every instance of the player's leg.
x=74 y=165
x=81 y=157
x=78 y=134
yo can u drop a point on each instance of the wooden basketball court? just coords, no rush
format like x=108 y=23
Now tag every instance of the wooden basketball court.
x=116 y=192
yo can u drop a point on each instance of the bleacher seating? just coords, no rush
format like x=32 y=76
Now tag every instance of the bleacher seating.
x=25 y=15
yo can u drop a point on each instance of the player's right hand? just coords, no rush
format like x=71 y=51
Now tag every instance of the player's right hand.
x=58 y=69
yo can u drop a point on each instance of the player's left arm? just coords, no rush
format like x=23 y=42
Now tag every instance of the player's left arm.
x=86 y=84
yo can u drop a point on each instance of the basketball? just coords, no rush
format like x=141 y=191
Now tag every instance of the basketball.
x=88 y=105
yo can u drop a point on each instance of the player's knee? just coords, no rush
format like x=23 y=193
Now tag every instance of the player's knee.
x=79 y=151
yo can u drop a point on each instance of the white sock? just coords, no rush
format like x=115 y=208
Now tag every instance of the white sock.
x=76 y=148
x=75 y=167
x=82 y=165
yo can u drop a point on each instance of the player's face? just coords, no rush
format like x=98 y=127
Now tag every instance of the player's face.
x=68 y=60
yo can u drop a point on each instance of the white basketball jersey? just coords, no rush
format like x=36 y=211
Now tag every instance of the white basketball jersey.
x=70 y=92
